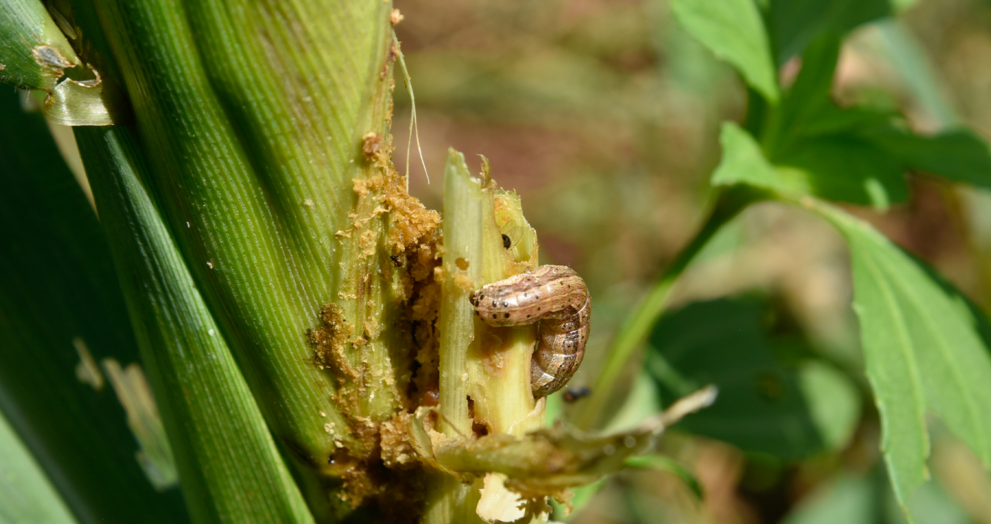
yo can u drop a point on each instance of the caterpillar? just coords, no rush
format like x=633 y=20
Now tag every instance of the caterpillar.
x=556 y=297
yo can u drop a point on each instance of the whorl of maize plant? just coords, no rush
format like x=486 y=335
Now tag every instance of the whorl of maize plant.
x=303 y=322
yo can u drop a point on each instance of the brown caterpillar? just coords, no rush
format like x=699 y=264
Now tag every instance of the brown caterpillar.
x=556 y=297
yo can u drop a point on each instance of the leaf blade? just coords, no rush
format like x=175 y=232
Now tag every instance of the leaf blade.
x=922 y=351
x=230 y=468
x=26 y=495
x=764 y=406
x=734 y=31
x=47 y=303
x=796 y=23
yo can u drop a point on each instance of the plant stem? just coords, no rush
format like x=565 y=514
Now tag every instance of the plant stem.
x=729 y=203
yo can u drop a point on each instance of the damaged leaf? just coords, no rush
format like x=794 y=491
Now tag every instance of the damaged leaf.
x=37 y=55
x=548 y=461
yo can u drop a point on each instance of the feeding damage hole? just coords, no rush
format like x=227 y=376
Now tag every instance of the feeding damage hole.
x=370 y=144
x=51 y=59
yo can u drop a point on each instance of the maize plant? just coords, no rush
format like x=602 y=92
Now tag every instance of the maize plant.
x=289 y=332
x=220 y=303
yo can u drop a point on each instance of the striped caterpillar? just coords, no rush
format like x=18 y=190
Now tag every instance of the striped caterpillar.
x=556 y=297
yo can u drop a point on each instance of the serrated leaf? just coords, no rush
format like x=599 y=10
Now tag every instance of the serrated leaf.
x=734 y=31
x=856 y=155
x=922 y=353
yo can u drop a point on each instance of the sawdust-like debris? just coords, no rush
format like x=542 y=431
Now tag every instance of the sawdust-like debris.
x=330 y=339
x=396 y=448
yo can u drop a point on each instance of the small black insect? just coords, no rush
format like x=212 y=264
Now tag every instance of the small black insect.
x=506 y=242
x=575 y=394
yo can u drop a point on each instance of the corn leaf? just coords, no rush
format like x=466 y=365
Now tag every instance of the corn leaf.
x=59 y=293
x=230 y=468
x=26 y=494
x=252 y=117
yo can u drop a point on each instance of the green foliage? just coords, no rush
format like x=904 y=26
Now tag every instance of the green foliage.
x=921 y=339
x=230 y=468
x=922 y=348
x=768 y=406
x=223 y=221
x=26 y=494
x=922 y=352
x=858 y=154
x=59 y=292
x=215 y=196
x=794 y=24
x=34 y=53
x=734 y=31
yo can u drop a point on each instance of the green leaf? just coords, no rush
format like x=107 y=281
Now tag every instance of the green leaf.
x=854 y=155
x=922 y=352
x=734 y=31
x=843 y=168
x=763 y=406
x=807 y=109
x=837 y=168
x=743 y=161
x=806 y=99
x=796 y=23
x=26 y=495
x=253 y=117
x=237 y=232
x=230 y=468
x=958 y=154
x=35 y=53
x=59 y=295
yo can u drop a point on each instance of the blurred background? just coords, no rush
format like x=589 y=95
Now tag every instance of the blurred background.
x=604 y=115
